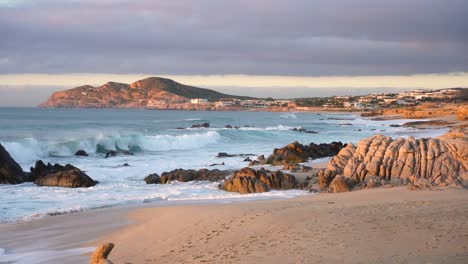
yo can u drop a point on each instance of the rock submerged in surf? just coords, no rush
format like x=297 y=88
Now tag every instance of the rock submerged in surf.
x=295 y=153
x=202 y=125
x=182 y=175
x=10 y=171
x=42 y=174
x=60 y=176
x=81 y=153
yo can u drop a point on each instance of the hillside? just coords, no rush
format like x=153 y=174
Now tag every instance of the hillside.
x=150 y=92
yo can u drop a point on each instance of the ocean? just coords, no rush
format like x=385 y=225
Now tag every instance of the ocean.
x=161 y=141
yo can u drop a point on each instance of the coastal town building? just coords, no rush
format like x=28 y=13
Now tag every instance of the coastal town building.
x=198 y=101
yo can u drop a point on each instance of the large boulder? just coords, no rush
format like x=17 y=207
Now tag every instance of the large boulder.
x=152 y=179
x=248 y=180
x=421 y=162
x=182 y=175
x=61 y=176
x=10 y=171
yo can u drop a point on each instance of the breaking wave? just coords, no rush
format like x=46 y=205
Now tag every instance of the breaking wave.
x=30 y=149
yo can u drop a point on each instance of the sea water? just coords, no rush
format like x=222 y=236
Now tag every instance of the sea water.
x=161 y=141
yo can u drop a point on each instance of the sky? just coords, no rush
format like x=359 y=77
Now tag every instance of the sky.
x=252 y=47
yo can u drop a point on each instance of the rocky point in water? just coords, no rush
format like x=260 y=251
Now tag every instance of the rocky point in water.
x=295 y=153
x=10 y=171
x=420 y=163
x=42 y=174
x=182 y=175
x=61 y=176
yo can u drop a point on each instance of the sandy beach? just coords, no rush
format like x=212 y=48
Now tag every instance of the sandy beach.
x=393 y=225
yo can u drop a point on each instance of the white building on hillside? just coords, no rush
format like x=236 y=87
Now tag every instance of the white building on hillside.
x=198 y=101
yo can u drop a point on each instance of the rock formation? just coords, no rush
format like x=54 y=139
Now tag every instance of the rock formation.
x=248 y=180
x=101 y=254
x=295 y=153
x=152 y=179
x=10 y=171
x=61 y=176
x=182 y=175
x=380 y=160
x=81 y=153
x=202 y=125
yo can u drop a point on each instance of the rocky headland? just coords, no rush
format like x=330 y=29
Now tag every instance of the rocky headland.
x=153 y=93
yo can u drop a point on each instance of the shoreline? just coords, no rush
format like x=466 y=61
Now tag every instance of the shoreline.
x=361 y=225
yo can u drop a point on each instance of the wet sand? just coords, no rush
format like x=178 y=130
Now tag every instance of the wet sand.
x=393 y=225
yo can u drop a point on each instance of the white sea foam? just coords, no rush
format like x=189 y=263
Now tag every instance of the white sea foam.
x=42 y=256
x=269 y=128
x=289 y=116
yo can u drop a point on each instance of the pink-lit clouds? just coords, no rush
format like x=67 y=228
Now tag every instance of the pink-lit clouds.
x=299 y=37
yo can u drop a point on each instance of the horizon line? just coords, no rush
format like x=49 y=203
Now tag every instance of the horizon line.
x=428 y=80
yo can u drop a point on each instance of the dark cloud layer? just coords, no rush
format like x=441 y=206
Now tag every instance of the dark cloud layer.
x=298 y=37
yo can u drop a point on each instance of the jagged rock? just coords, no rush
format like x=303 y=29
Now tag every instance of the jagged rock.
x=422 y=162
x=182 y=175
x=339 y=184
x=202 y=125
x=101 y=254
x=245 y=181
x=259 y=161
x=248 y=159
x=303 y=130
x=152 y=179
x=10 y=171
x=217 y=164
x=295 y=152
x=61 y=176
x=228 y=126
x=81 y=153
x=226 y=155
x=248 y=180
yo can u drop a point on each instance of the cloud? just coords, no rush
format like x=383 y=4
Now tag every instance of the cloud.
x=256 y=37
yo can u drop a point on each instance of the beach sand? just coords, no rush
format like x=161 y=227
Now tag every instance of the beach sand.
x=393 y=225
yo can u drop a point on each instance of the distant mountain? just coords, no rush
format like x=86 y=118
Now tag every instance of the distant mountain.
x=140 y=94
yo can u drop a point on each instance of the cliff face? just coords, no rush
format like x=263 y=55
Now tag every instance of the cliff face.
x=150 y=92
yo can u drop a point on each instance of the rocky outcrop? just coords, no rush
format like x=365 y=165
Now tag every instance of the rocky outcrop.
x=101 y=254
x=202 y=125
x=295 y=153
x=382 y=160
x=303 y=130
x=61 y=176
x=10 y=171
x=226 y=155
x=182 y=175
x=248 y=180
x=152 y=179
x=81 y=153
